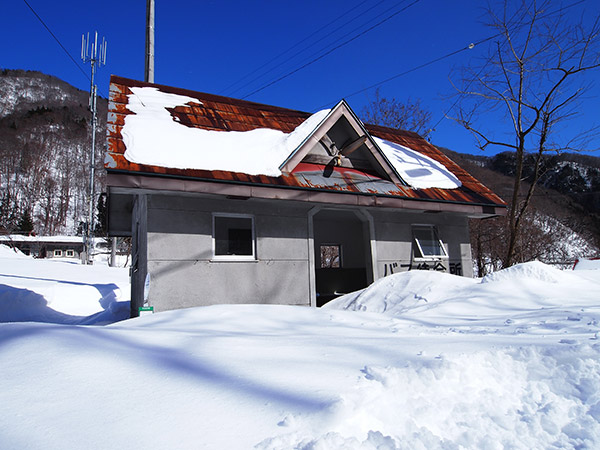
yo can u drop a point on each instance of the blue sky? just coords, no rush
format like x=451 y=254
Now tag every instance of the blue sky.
x=217 y=46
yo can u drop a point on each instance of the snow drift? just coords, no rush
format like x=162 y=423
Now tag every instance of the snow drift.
x=426 y=361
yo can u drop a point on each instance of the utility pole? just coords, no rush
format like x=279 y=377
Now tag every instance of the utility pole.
x=149 y=66
x=96 y=56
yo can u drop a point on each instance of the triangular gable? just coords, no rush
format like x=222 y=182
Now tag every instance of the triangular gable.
x=341 y=140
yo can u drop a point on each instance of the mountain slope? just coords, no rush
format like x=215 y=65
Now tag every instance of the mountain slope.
x=45 y=139
x=564 y=218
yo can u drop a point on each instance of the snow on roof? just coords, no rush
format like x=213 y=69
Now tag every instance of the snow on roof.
x=55 y=239
x=416 y=169
x=587 y=264
x=153 y=137
x=8 y=252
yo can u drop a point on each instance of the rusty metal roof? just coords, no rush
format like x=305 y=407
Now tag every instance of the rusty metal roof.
x=228 y=114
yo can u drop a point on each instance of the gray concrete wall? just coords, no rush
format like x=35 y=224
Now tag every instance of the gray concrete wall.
x=183 y=272
x=393 y=233
x=180 y=257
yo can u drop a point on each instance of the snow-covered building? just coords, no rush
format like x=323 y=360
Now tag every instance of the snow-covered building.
x=229 y=201
x=45 y=246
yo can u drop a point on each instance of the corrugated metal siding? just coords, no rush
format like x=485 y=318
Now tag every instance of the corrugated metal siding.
x=226 y=114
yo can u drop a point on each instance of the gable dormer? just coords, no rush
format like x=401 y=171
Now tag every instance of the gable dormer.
x=341 y=140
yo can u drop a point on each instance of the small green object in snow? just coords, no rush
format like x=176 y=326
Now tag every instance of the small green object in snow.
x=145 y=310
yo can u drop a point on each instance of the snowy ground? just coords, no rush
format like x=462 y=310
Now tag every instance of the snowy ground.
x=420 y=360
x=60 y=290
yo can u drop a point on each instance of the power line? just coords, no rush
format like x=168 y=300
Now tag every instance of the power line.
x=470 y=46
x=330 y=34
x=339 y=39
x=314 y=43
x=57 y=40
x=413 y=69
x=329 y=51
x=272 y=60
x=459 y=97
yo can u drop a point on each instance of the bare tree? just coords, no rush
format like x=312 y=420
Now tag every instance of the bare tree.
x=531 y=83
x=408 y=115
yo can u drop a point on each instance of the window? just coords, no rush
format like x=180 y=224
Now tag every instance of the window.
x=70 y=253
x=427 y=244
x=57 y=253
x=233 y=237
x=331 y=256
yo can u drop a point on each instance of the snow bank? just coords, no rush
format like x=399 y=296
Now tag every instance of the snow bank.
x=530 y=297
x=402 y=292
x=418 y=170
x=295 y=378
x=60 y=291
x=153 y=137
x=531 y=271
x=445 y=363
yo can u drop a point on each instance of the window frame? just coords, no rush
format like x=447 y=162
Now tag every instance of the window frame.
x=57 y=253
x=215 y=257
x=417 y=244
x=70 y=253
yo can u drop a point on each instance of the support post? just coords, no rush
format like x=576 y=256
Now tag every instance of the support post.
x=139 y=252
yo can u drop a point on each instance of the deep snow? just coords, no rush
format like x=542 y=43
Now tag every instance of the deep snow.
x=426 y=360
x=60 y=290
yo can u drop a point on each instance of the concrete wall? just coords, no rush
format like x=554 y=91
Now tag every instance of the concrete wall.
x=393 y=233
x=183 y=272
x=180 y=256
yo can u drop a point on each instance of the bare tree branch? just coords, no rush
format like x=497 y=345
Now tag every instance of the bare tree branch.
x=533 y=77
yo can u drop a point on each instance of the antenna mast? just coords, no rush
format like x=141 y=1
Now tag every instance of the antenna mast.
x=96 y=55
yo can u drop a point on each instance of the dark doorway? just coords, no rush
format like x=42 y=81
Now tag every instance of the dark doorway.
x=341 y=254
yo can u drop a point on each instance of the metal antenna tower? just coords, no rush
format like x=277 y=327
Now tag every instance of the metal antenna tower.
x=96 y=55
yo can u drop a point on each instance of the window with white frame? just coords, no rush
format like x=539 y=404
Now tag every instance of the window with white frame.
x=233 y=236
x=427 y=243
x=57 y=253
x=70 y=253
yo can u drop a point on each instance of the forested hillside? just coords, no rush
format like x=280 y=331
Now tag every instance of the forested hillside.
x=45 y=143
x=563 y=222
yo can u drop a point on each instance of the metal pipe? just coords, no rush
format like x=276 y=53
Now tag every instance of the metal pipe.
x=149 y=66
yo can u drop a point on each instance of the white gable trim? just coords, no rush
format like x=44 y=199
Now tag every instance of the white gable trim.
x=341 y=109
x=313 y=139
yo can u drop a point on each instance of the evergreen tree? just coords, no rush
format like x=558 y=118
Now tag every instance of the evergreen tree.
x=101 y=216
x=25 y=224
